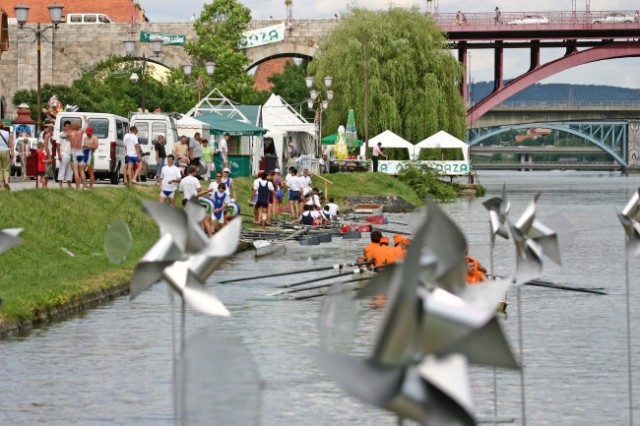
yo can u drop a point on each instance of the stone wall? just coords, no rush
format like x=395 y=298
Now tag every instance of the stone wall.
x=72 y=48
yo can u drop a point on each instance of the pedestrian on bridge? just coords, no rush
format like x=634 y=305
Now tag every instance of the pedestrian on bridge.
x=497 y=19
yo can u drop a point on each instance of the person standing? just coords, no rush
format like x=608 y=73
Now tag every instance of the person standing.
x=131 y=157
x=226 y=179
x=207 y=159
x=190 y=186
x=497 y=20
x=292 y=182
x=181 y=152
x=6 y=157
x=170 y=176
x=42 y=160
x=91 y=143
x=161 y=155
x=65 y=173
x=22 y=148
x=195 y=151
x=75 y=137
x=265 y=190
x=326 y=159
x=375 y=156
x=50 y=152
x=223 y=148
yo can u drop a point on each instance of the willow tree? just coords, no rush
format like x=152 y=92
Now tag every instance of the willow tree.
x=219 y=28
x=413 y=79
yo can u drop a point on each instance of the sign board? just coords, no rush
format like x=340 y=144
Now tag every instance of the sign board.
x=167 y=39
x=262 y=36
x=442 y=167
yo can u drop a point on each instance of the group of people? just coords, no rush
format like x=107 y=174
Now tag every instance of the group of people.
x=379 y=253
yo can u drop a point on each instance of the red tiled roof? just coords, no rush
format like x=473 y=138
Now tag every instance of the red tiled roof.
x=117 y=10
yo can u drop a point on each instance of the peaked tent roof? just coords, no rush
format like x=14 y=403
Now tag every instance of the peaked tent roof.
x=216 y=102
x=221 y=125
x=277 y=114
x=190 y=122
x=391 y=140
x=443 y=139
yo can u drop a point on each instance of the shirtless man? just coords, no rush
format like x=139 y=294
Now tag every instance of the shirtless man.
x=74 y=135
x=90 y=145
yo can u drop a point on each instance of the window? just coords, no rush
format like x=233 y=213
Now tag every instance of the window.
x=104 y=19
x=143 y=133
x=75 y=19
x=120 y=129
x=100 y=127
x=158 y=129
x=90 y=19
x=71 y=120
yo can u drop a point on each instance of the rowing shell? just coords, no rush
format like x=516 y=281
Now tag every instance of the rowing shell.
x=265 y=247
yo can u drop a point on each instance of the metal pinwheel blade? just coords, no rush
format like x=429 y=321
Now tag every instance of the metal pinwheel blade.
x=9 y=238
x=117 y=242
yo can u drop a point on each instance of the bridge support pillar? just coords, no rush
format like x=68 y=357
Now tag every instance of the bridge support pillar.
x=633 y=147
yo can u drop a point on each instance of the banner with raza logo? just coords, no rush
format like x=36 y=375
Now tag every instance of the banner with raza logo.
x=444 y=167
x=169 y=39
x=262 y=36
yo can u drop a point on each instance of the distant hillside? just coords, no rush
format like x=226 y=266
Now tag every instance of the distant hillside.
x=563 y=93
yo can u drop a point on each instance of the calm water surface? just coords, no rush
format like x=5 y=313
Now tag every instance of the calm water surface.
x=113 y=365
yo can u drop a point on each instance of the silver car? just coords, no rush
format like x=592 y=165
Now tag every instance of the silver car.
x=530 y=20
x=615 y=18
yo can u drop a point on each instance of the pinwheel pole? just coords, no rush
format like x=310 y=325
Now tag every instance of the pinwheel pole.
x=629 y=219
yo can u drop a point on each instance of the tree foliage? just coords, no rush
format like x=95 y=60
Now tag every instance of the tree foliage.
x=219 y=28
x=291 y=86
x=413 y=79
x=425 y=183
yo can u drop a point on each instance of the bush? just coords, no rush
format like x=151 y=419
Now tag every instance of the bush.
x=424 y=181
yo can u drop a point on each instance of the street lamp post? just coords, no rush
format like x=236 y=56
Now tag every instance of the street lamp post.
x=129 y=48
x=22 y=16
x=210 y=68
x=320 y=102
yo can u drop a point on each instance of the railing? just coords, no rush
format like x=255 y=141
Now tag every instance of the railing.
x=570 y=104
x=554 y=17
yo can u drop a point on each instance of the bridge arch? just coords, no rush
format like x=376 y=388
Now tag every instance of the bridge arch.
x=287 y=49
x=571 y=60
x=620 y=159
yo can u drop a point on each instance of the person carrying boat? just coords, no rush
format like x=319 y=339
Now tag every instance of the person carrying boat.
x=220 y=200
x=475 y=271
x=265 y=190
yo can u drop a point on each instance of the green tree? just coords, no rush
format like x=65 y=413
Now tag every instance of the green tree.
x=291 y=85
x=219 y=28
x=413 y=78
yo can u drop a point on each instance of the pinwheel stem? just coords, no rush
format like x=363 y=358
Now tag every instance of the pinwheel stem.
x=521 y=348
x=629 y=366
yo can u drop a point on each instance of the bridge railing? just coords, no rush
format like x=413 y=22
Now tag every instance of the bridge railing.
x=570 y=104
x=554 y=17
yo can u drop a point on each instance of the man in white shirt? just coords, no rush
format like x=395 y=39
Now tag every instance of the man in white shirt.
x=131 y=157
x=314 y=199
x=292 y=182
x=223 y=147
x=65 y=172
x=170 y=176
x=334 y=210
x=190 y=186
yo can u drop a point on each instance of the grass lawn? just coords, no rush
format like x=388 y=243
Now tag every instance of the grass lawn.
x=40 y=273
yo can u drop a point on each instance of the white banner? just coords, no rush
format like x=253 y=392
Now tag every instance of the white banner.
x=262 y=36
x=442 y=167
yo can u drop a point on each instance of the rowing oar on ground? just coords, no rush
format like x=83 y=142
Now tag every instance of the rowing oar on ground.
x=339 y=266
x=313 y=280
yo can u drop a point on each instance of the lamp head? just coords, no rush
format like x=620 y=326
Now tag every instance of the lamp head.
x=309 y=82
x=55 y=13
x=210 y=67
x=186 y=69
x=327 y=81
x=22 y=13
x=156 y=45
x=129 y=47
x=134 y=77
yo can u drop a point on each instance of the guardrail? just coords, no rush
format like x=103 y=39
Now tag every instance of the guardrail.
x=554 y=17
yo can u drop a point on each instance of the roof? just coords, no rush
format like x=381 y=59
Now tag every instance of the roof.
x=187 y=122
x=279 y=117
x=391 y=140
x=221 y=125
x=117 y=10
x=252 y=112
x=443 y=139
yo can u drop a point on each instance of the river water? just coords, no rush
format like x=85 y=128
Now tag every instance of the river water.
x=112 y=365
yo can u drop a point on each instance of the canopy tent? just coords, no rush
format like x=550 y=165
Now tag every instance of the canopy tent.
x=221 y=125
x=189 y=126
x=333 y=138
x=283 y=123
x=390 y=140
x=443 y=139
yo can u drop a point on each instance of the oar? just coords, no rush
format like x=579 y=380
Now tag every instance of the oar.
x=538 y=283
x=393 y=231
x=315 y=287
x=302 y=271
x=328 y=277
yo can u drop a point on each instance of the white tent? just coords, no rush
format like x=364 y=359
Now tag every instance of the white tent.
x=443 y=139
x=189 y=126
x=283 y=122
x=389 y=140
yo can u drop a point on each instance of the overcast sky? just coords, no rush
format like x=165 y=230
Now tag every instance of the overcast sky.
x=619 y=72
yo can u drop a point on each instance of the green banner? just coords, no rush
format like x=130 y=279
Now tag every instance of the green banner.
x=266 y=35
x=170 y=39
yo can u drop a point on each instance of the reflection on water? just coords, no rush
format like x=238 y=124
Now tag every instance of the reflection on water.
x=113 y=365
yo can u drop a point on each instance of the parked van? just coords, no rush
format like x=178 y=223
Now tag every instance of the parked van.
x=150 y=125
x=110 y=130
x=87 y=18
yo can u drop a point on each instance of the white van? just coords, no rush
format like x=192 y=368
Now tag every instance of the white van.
x=110 y=130
x=87 y=18
x=149 y=126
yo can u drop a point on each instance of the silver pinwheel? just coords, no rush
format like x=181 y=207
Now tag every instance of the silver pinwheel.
x=629 y=218
x=9 y=237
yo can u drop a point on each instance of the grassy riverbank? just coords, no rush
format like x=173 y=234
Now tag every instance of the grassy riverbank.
x=39 y=274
